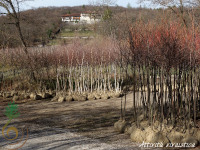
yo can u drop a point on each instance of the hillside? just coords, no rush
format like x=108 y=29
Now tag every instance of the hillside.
x=40 y=25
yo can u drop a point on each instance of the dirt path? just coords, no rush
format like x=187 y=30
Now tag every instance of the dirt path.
x=69 y=125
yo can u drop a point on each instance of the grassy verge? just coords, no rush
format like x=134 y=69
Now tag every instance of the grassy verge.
x=77 y=33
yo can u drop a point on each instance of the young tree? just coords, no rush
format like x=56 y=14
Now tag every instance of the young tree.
x=12 y=9
x=107 y=14
x=129 y=6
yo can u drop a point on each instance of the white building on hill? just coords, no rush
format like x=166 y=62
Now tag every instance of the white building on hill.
x=85 y=17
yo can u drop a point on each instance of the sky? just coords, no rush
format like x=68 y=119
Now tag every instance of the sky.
x=46 y=3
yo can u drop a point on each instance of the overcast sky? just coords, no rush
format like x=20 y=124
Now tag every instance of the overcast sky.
x=46 y=3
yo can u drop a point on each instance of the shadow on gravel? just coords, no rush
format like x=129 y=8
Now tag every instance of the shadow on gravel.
x=50 y=119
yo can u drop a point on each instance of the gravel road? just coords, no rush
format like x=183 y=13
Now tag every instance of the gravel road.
x=70 y=125
x=86 y=125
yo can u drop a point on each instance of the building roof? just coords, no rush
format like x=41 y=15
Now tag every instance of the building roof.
x=78 y=14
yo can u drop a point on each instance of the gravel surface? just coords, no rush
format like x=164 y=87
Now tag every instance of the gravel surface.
x=60 y=139
x=68 y=126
